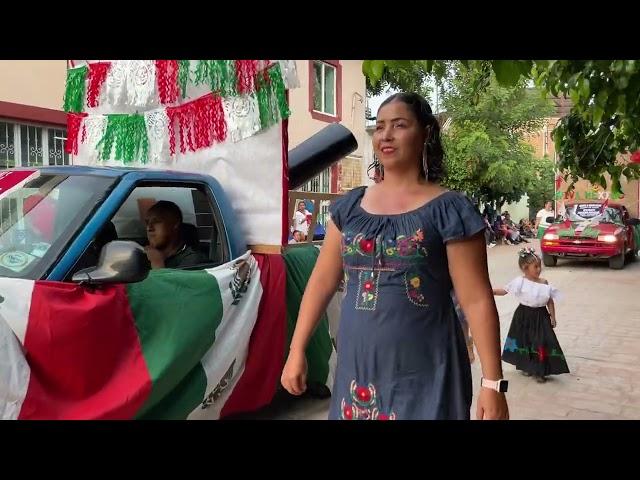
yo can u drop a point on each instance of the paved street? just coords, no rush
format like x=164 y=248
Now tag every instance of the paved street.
x=599 y=331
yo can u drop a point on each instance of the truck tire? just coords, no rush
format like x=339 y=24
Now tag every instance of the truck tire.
x=632 y=255
x=549 y=260
x=617 y=262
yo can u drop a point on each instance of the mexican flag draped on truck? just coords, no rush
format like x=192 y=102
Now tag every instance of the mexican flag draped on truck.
x=109 y=339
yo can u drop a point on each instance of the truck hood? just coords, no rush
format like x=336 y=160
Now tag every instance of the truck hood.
x=588 y=229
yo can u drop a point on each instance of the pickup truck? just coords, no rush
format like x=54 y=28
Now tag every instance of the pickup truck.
x=88 y=331
x=592 y=231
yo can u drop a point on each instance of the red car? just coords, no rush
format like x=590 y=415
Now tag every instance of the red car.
x=592 y=230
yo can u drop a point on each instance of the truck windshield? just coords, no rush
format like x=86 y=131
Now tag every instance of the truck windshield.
x=594 y=212
x=40 y=216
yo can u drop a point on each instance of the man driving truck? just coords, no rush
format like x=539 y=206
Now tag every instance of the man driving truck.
x=167 y=246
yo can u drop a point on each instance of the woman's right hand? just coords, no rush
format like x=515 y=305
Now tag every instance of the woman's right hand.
x=294 y=374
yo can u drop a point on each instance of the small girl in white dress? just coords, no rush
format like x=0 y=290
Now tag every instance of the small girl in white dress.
x=532 y=345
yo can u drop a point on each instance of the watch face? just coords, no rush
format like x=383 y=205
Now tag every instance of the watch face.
x=504 y=385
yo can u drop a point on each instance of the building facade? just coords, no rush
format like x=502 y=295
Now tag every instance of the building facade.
x=543 y=144
x=32 y=123
x=330 y=91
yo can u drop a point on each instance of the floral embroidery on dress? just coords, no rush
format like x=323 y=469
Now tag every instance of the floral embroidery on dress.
x=413 y=282
x=403 y=246
x=510 y=345
x=407 y=246
x=366 y=245
x=367 y=290
x=542 y=352
x=385 y=255
x=363 y=404
x=345 y=282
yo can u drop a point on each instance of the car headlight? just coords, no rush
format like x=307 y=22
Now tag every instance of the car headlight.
x=550 y=236
x=607 y=238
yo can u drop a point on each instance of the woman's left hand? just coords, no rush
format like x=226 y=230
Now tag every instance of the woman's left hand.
x=553 y=322
x=492 y=405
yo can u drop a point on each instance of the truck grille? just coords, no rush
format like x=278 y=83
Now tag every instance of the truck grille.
x=579 y=242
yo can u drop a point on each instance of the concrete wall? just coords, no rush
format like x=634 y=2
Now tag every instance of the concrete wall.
x=37 y=83
x=518 y=210
x=302 y=125
x=542 y=141
x=584 y=190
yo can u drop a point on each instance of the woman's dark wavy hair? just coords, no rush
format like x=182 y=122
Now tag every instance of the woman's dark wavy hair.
x=426 y=119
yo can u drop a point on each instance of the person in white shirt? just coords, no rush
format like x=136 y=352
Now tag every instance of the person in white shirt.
x=541 y=219
x=300 y=219
x=531 y=344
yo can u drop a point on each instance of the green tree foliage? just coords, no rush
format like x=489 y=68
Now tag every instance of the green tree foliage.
x=487 y=153
x=604 y=120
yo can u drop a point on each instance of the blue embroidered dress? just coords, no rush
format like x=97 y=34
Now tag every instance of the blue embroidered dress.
x=401 y=350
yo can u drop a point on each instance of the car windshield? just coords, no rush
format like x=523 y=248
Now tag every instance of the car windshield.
x=39 y=217
x=594 y=212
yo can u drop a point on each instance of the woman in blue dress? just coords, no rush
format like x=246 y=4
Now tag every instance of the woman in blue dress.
x=401 y=246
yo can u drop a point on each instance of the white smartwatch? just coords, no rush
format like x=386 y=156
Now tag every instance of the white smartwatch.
x=498 y=385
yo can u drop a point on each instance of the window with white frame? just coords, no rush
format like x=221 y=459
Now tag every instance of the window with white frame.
x=55 y=141
x=7 y=145
x=324 y=90
x=30 y=145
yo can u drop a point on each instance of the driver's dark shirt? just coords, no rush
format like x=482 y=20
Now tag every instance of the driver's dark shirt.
x=185 y=257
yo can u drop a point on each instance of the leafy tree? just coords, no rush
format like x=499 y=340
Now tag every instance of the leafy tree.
x=487 y=155
x=604 y=120
x=541 y=189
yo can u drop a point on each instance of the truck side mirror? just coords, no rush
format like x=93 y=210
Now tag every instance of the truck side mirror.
x=120 y=262
x=550 y=220
x=632 y=222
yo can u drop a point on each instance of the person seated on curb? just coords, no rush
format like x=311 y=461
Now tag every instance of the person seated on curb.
x=525 y=229
x=513 y=230
x=167 y=248
x=297 y=237
x=501 y=230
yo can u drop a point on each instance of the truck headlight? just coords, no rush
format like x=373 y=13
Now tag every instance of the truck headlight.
x=550 y=236
x=607 y=238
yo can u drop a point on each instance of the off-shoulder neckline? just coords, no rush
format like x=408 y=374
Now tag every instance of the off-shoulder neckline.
x=421 y=207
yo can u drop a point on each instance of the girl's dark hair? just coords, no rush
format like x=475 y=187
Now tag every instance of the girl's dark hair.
x=422 y=111
x=526 y=258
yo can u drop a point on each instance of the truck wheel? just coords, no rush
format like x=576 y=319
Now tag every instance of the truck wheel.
x=549 y=260
x=617 y=262
x=632 y=255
